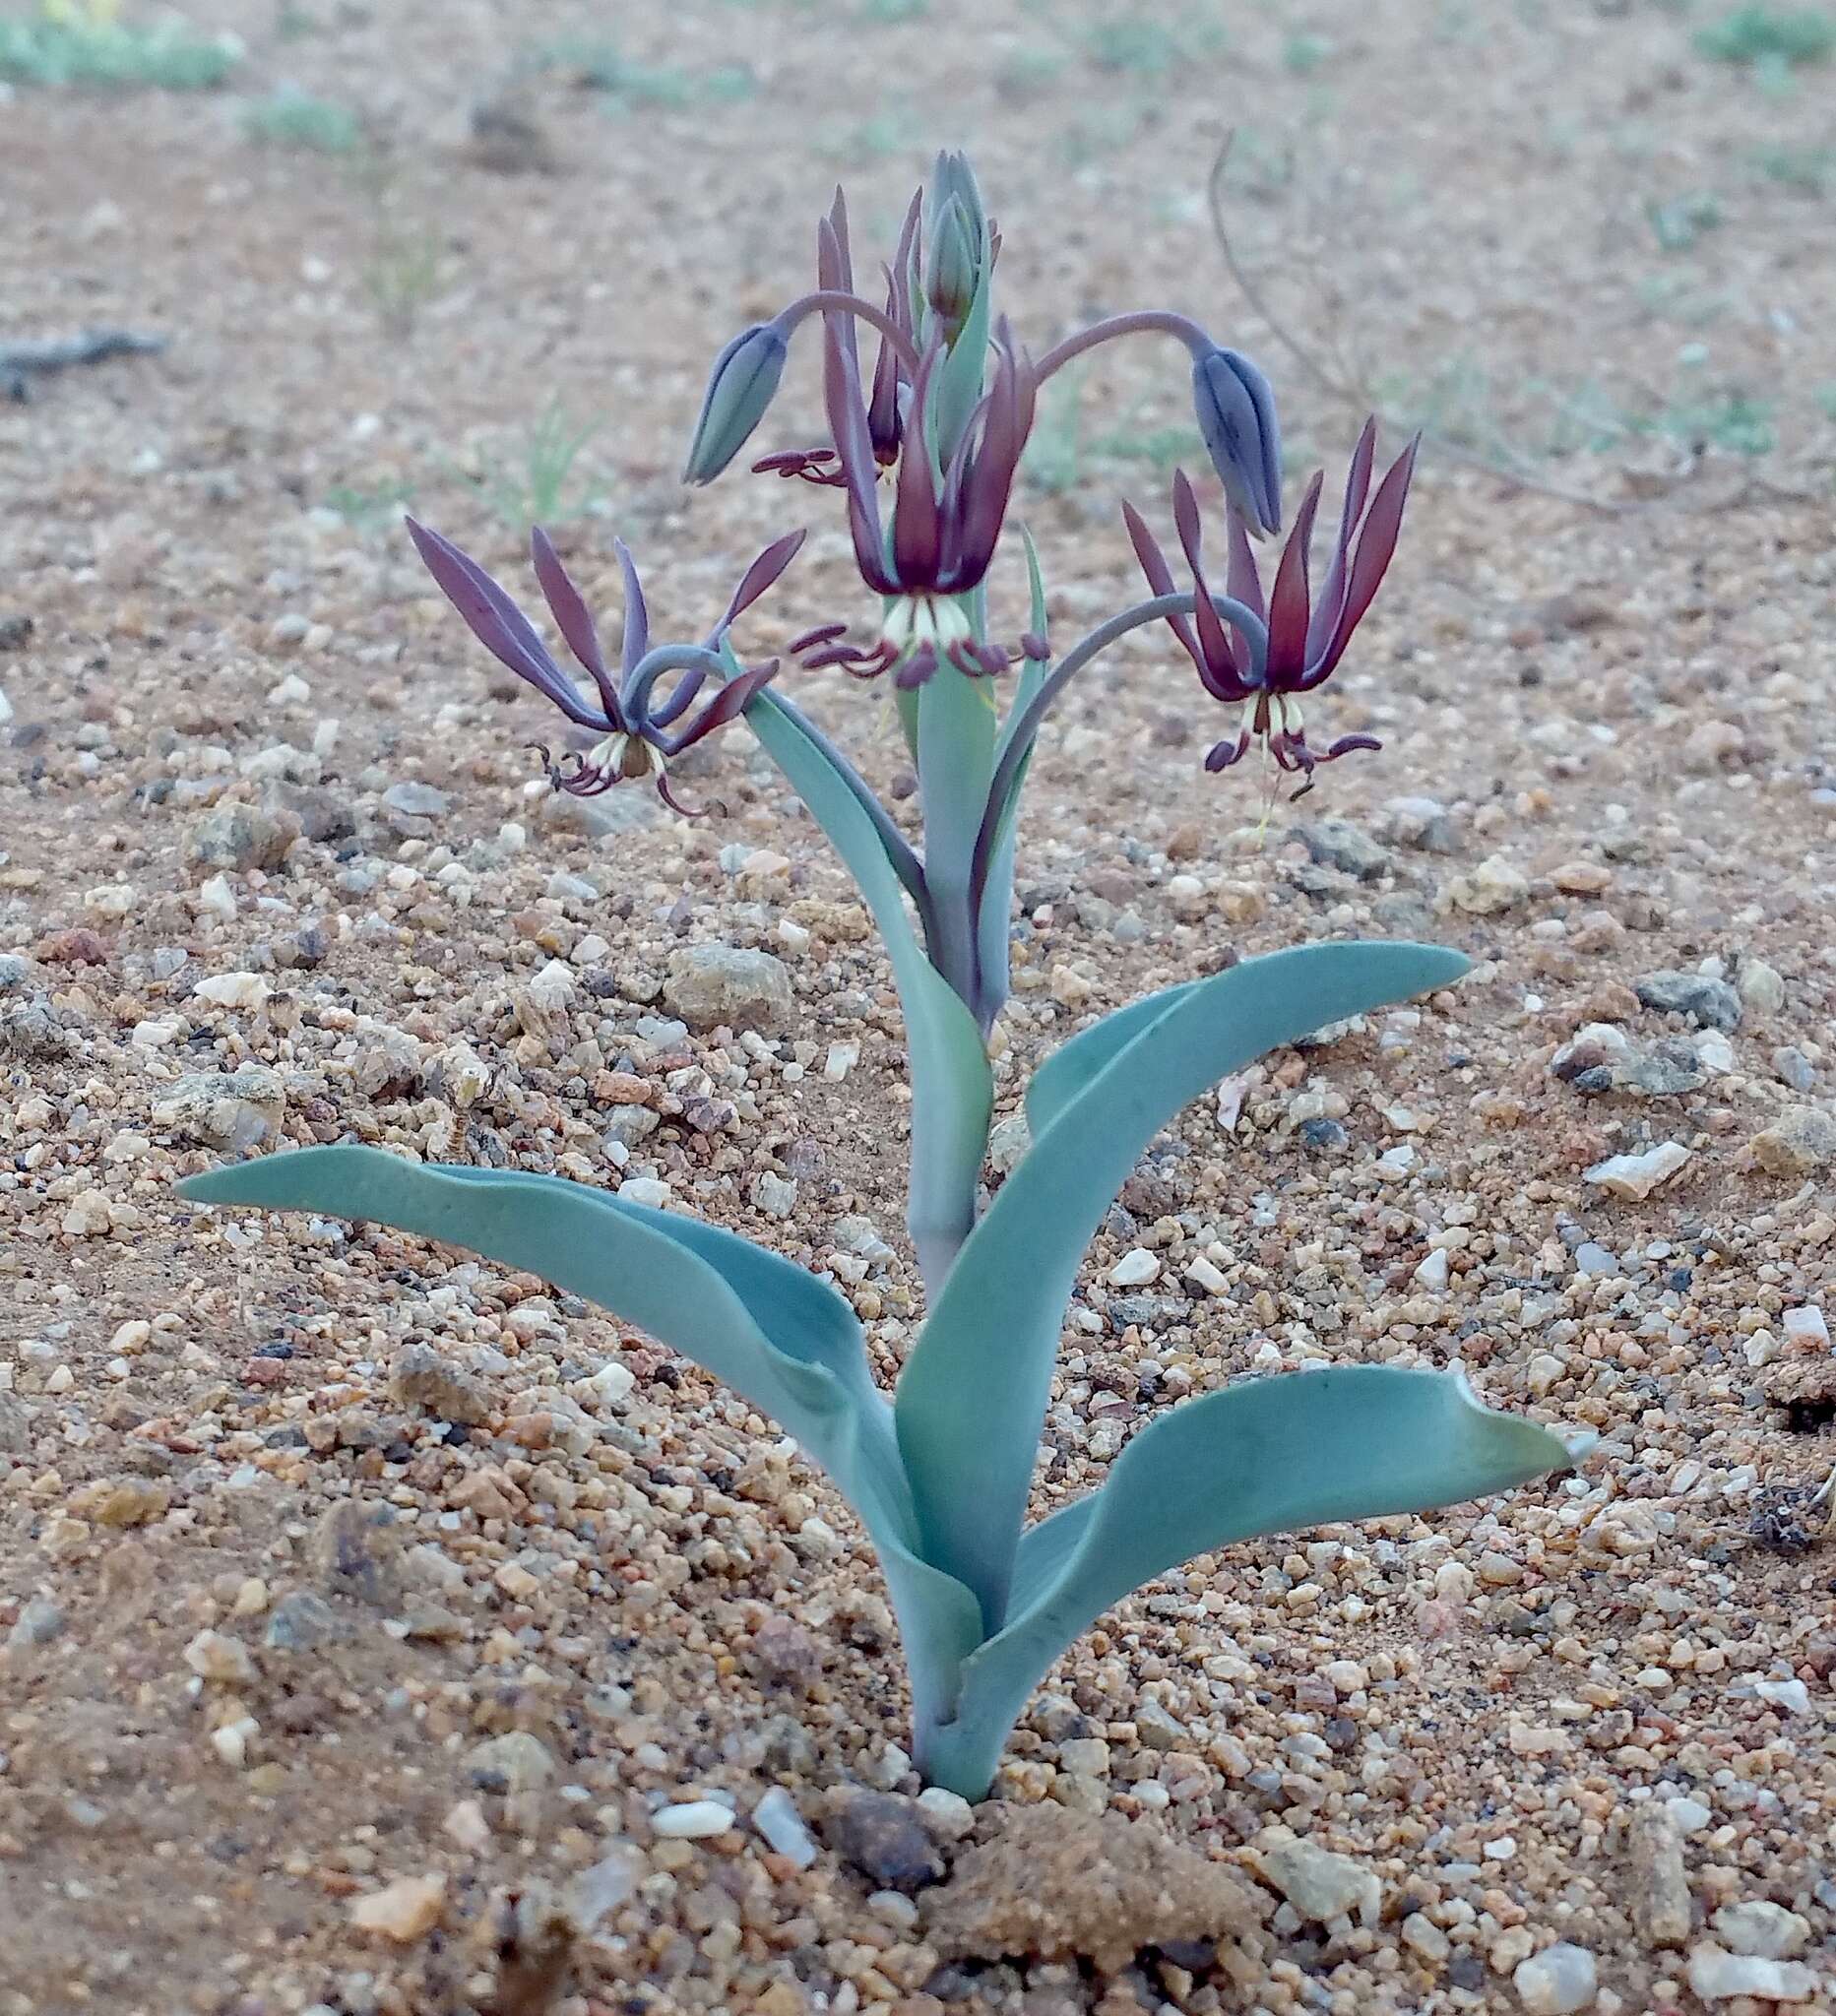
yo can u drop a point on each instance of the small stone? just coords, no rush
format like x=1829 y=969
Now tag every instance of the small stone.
x=1716 y=1976
x=1761 y=986
x=1135 y=1269
x=777 y=1818
x=1432 y=1270
x=1338 y=844
x=236 y=1110
x=422 y=1377
x=1424 y=823
x=515 y=1762
x=356 y=1555
x=242 y=837
x=1637 y=1175
x=214 y=1655
x=602 y=1888
x=234 y=990
x=404 y=1911
x=1058 y=1885
x=881 y=1834
x=1799 y=1143
x=1009 y=1143
x=1582 y=878
x=1084 y=1757
x=1708 y=1002
x=714 y=986
x=1557 y=1980
x=415 y=800
x=774 y=1195
x=1805 y=1326
x=1659 y=1890
x=38 y=1623
x=467 y=1825
x=1493 y=887
x=1794 y=1696
x=1592 y=1260
x=693 y=1820
x=301 y=1620
x=1320 y=1886
x=1761 y=1929
x=1322 y=1136
x=1422 y=1936
x=1690 y=1815
x=1790 y=1066
x=946 y=1815
x=647 y=1190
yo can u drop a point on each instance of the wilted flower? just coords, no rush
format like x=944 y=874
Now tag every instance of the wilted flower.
x=1305 y=639
x=636 y=738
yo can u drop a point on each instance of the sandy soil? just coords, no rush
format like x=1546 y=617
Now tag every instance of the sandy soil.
x=317 y=1695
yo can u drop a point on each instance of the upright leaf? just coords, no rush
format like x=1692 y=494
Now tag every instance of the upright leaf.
x=1275 y=1455
x=982 y=1370
x=956 y=731
x=780 y=1337
x=952 y=1092
x=1076 y=1062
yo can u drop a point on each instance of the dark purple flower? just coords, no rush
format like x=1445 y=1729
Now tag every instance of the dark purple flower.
x=1306 y=637
x=635 y=737
x=947 y=512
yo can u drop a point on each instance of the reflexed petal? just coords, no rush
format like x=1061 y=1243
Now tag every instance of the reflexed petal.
x=498 y=623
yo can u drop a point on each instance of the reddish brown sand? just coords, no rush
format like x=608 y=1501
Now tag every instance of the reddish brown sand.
x=241 y=1721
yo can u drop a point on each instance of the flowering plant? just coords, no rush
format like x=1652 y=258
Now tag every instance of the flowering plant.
x=925 y=452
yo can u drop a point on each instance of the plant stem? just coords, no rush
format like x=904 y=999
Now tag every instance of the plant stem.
x=1017 y=743
x=1142 y=322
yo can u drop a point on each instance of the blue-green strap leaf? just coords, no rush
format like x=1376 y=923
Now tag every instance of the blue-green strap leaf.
x=981 y=1371
x=1073 y=1065
x=779 y=1336
x=1275 y=1455
x=952 y=1091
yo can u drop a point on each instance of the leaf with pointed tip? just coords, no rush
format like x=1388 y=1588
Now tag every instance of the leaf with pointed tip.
x=981 y=1371
x=1275 y=1455
x=780 y=1337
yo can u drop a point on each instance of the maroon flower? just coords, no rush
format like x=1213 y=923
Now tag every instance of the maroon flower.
x=635 y=738
x=1306 y=639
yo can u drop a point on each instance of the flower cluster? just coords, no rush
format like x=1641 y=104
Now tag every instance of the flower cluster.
x=924 y=446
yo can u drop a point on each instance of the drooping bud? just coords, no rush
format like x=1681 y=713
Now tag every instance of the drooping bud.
x=1237 y=418
x=741 y=386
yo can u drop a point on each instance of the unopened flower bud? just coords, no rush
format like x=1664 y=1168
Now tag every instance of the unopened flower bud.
x=1237 y=418
x=952 y=265
x=742 y=384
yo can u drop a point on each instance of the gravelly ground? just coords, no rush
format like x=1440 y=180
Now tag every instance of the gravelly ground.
x=321 y=1666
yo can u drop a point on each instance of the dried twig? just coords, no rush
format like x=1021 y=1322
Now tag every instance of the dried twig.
x=20 y=361
x=1355 y=394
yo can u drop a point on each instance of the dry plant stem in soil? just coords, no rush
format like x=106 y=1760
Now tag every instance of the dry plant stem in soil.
x=940 y=1472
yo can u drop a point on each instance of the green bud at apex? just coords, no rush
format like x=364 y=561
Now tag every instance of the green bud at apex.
x=743 y=383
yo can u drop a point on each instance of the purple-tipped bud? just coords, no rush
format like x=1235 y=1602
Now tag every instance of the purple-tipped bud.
x=742 y=384
x=1237 y=418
